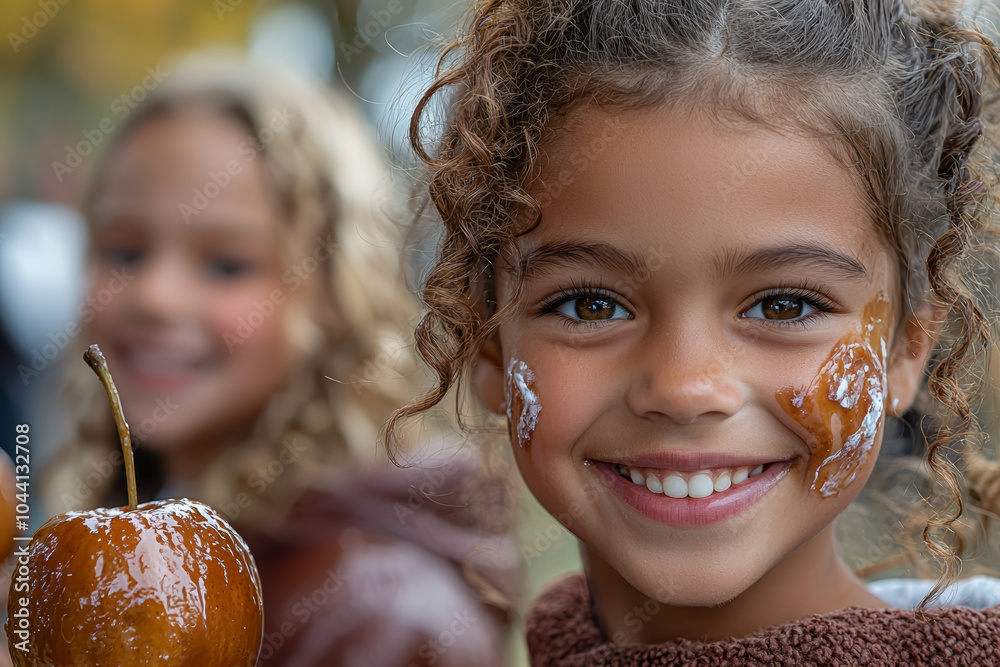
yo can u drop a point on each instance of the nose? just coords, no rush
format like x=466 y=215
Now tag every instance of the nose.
x=685 y=376
x=161 y=293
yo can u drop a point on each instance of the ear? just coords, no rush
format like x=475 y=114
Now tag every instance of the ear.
x=915 y=340
x=487 y=371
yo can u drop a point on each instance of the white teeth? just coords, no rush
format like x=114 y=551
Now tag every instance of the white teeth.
x=675 y=486
x=653 y=484
x=700 y=486
x=724 y=482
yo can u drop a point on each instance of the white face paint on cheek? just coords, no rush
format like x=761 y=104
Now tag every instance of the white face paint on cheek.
x=522 y=400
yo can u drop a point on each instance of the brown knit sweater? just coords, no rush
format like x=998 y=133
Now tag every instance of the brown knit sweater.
x=562 y=633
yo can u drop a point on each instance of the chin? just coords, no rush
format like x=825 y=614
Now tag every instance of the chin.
x=697 y=596
x=162 y=441
x=695 y=585
x=703 y=598
x=152 y=431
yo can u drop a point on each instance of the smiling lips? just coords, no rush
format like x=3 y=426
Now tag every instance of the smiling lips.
x=161 y=362
x=688 y=491
x=161 y=369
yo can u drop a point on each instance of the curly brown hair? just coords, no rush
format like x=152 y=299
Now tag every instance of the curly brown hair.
x=904 y=91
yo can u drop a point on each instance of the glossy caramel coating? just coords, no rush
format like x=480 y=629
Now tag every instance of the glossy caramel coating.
x=168 y=584
x=8 y=503
x=843 y=406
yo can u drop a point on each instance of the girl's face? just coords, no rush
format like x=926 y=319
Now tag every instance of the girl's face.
x=187 y=301
x=697 y=380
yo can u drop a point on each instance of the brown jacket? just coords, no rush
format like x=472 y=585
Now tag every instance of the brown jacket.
x=378 y=572
x=562 y=633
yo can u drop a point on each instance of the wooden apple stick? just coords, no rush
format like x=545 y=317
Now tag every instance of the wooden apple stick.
x=95 y=359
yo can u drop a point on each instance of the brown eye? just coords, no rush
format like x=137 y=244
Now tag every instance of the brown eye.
x=591 y=308
x=781 y=308
x=595 y=308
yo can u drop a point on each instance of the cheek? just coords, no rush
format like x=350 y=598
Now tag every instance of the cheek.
x=252 y=334
x=550 y=404
x=549 y=397
x=249 y=320
x=842 y=408
x=104 y=308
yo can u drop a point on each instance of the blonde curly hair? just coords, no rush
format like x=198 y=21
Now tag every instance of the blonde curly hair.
x=326 y=173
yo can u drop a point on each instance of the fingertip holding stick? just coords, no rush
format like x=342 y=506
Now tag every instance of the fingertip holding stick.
x=95 y=359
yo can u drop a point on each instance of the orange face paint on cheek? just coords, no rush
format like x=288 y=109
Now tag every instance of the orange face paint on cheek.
x=843 y=406
x=522 y=402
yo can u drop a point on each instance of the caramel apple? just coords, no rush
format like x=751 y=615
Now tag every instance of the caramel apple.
x=163 y=583
x=8 y=503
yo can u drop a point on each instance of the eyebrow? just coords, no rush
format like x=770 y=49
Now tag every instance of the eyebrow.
x=817 y=256
x=553 y=255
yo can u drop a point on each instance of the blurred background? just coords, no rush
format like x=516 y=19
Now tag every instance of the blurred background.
x=71 y=71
